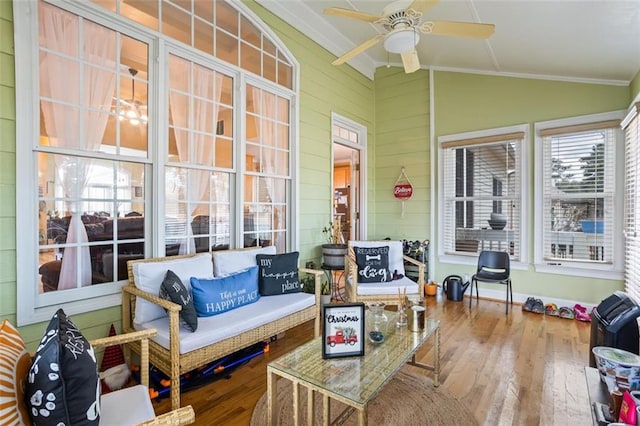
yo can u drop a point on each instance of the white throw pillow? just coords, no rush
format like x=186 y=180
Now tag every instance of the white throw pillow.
x=226 y=262
x=148 y=276
x=396 y=262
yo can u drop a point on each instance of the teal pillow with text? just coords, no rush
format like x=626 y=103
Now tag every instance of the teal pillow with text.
x=213 y=296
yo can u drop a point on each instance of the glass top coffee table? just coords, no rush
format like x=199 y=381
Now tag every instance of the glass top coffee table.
x=353 y=381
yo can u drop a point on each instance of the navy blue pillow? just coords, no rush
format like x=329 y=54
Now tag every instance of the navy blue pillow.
x=63 y=385
x=278 y=273
x=373 y=264
x=172 y=289
x=213 y=296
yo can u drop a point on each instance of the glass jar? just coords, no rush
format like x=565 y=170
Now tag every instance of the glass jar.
x=401 y=320
x=377 y=323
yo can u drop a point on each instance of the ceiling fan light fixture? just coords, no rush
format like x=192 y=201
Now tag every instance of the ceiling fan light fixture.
x=132 y=110
x=401 y=40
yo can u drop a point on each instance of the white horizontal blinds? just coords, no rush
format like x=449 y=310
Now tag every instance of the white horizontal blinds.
x=631 y=126
x=579 y=186
x=482 y=176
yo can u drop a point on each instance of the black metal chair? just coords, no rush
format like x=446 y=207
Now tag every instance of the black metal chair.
x=493 y=267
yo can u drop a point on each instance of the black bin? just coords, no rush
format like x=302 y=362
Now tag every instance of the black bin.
x=614 y=324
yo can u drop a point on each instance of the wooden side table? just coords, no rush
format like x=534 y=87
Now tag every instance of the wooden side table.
x=335 y=274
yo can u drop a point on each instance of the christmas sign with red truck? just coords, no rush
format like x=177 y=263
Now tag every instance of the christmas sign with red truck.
x=346 y=336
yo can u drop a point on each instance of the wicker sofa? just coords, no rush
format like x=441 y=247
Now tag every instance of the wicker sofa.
x=176 y=350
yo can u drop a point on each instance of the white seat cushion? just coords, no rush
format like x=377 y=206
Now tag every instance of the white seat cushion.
x=148 y=276
x=231 y=323
x=128 y=406
x=227 y=262
x=388 y=288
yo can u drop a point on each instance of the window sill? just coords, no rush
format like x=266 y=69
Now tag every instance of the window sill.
x=607 y=273
x=473 y=261
x=31 y=315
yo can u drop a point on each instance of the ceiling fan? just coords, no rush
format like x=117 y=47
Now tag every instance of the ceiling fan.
x=403 y=22
x=133 y=110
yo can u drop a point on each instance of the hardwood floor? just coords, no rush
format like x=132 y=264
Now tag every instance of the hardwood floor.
x=521 y=368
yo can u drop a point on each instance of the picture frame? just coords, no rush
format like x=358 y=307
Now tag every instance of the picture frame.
x=343 y=330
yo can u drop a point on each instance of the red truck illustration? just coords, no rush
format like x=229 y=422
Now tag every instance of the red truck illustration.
x=339 y=337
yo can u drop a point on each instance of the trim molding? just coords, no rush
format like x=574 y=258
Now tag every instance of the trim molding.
x=321 y=32
x=533 y=76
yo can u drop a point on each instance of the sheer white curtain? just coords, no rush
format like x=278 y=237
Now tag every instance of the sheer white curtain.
x=267 y=138
x=59 y=32
x=204 y=118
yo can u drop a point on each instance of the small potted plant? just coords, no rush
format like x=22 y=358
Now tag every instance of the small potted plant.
x=308 y=286
x=334 y=250
x=431 y=288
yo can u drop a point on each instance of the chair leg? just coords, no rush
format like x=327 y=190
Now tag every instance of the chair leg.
x=506 y=300
x=509 y=296
x=471 y=294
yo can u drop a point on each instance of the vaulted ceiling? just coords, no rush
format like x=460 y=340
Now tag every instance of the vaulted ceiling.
x=582 y=40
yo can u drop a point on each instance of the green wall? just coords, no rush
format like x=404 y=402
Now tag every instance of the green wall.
x=467 y=102
x=7 y=165
x=401 y=140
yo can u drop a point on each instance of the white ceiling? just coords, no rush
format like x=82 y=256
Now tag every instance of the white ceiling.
x=578 y=40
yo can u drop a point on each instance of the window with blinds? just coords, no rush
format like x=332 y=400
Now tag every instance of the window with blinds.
x=482 y=192
x=631 y=126
x=579 y=186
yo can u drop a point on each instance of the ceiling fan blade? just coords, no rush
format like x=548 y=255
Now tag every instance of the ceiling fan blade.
x=348 y=13
x=422 y=5
x=410 y=61
x=458 y=29
x=358 y=49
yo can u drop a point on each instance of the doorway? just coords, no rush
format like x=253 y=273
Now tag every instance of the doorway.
x=348 y=182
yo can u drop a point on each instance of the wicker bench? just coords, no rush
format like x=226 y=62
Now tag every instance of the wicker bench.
x=173 y=363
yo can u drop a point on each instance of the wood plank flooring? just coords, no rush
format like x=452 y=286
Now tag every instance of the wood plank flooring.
x=516 y=369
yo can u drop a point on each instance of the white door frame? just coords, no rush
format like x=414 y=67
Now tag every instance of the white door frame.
x=361 y=146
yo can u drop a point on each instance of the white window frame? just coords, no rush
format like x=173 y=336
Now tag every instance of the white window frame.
x=522 y=263
x=631 y=127
x=27 y=100
x=582 y=268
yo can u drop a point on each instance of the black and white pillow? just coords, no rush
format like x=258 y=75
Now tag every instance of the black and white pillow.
x=62 y=386
x=373 y=264
x=172 y=289
x=278 y=273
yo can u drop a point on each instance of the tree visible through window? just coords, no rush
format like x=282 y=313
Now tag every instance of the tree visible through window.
x=579 y=189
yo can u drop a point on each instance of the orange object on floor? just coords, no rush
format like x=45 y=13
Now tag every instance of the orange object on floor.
x=431 y=289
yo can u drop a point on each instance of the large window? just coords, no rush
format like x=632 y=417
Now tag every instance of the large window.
x=90 y=114
x=576 y=163
x=199 y=158
x=482 y=196
x=123 y=157
x=268 y=163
